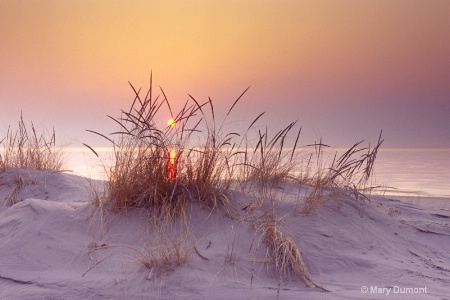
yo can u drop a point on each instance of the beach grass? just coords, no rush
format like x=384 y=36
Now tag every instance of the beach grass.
x=25 y=148
x=283 y=252
x=349 y=174
x=165 y=253
x=194 y=159
x=143 y=174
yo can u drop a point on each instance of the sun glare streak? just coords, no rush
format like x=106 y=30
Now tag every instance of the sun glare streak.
x=171 y=165
x=171 y=157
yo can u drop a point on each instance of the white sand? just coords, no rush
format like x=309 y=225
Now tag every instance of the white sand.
x=55 y=244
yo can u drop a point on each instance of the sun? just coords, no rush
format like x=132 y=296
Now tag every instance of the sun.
x=171 y=123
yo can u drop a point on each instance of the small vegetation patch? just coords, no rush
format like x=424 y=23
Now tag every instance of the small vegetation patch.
x=25 y=148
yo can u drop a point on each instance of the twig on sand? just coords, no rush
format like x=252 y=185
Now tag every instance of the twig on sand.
x=198 y=253
x=95 y=265
x=17 y=280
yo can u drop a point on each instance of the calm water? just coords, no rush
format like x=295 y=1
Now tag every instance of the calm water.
x=418 y=172
x=423 y=172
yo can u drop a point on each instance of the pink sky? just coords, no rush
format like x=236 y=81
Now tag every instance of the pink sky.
x=344 y=69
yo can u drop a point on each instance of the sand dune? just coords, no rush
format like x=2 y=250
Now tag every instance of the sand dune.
x=55 y=244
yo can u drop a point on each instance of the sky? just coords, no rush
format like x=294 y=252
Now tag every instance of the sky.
x=344 y=69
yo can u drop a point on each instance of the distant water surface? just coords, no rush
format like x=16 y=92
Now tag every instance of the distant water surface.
x=414 y=172
x=407 y=172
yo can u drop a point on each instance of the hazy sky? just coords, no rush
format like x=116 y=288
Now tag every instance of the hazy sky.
x=344 y=69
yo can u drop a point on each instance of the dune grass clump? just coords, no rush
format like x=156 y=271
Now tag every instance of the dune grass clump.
x=270 y=163
x=24 y=148
x=165 y=254
x=208 y=158
x=162 y=168
x=347 y=174
x=284 y=253
x=18 y=183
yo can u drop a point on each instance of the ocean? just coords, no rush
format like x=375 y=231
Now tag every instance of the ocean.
x=414 y=172
x=402 y=172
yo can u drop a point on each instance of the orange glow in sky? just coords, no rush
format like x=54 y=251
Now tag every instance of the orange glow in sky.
x=345 y=69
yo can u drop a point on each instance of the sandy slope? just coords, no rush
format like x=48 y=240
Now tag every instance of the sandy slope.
x=55 y=244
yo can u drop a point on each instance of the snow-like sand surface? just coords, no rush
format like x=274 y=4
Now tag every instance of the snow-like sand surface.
x=56 y=244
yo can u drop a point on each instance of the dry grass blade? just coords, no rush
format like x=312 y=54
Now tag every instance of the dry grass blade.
x=237 y=100
x=295 y=144
x=102 y=135
x=165 y=99
x=255 y=120
x=92 y=149
x=94 y=265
